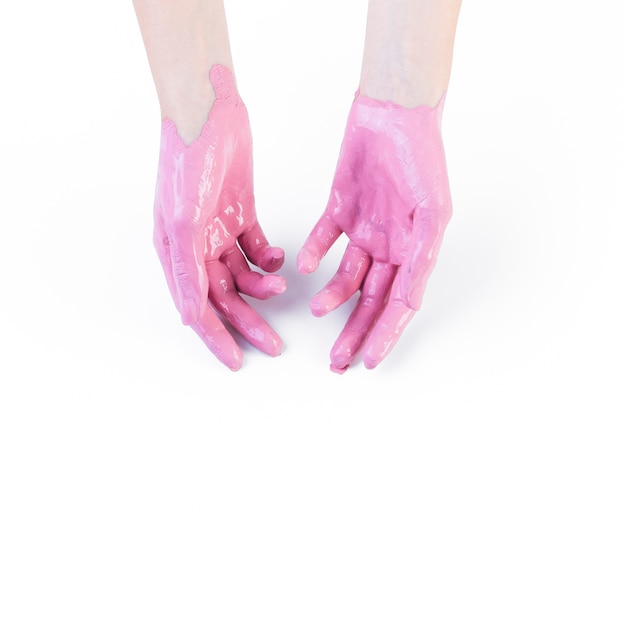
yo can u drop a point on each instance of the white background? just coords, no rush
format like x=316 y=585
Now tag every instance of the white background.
x=476 y=477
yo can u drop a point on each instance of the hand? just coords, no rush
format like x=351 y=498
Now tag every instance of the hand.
x=391 y=197
x=204 y=208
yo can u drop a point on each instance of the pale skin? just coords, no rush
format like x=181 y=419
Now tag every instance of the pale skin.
x=183 y=39
x=407 y=59
x=407 y=55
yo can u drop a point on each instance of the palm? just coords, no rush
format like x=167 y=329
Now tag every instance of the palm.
x=390 y=196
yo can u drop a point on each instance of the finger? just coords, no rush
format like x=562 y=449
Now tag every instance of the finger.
x=387 y=329
x=208 y=327
x=426 y=239
x=218 y=340
x=345 y=283
x=317 y=244
x=373 y=296
x=224 y=296
x=187 y=254
x=249 y=282
x=256 y=247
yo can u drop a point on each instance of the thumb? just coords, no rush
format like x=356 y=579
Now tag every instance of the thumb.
x=190 y=278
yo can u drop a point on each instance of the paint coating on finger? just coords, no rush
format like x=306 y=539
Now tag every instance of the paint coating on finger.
x=391 y=196
x=204 y=201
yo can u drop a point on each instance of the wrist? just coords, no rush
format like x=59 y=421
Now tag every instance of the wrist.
x=408 y=50
x=405 y=89
x=187 y=102
x=184 y=39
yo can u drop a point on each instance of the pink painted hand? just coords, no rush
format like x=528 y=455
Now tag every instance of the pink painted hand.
x=206 y=226
x=391 y=197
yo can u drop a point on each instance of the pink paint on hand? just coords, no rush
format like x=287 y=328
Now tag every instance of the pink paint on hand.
x=391 y=197
x=205 y=226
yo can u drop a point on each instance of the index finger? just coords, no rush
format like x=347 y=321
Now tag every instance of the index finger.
x=317 y=244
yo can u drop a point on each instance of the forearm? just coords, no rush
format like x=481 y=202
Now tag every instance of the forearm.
x=183 y=39
x=407 y=55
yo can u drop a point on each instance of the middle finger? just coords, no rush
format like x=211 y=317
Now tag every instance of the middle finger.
x=224 y=296
x=370 y=304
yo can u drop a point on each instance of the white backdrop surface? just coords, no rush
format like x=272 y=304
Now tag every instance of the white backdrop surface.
x=476 y=477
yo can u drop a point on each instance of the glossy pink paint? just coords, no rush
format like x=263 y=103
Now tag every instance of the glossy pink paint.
x=205 y=226
x=390 y=196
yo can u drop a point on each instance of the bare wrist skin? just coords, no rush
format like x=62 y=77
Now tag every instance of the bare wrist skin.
x=407 y=55
x=183 y=40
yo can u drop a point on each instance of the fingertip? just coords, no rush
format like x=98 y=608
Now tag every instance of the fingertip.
x=278 y=347
x=318 y=308
x=272 y=259
x=325 y=301
x=226 y=350
x=235 y=364
x=376 y=348
x=307 y=261
x=386 y=334
x=272 y=345
x=276 y=284
x=190 y=313
x=371 y=354
x=218 y=340
x=370 y=362
x=339 y=363
x=229 y=353
x=341 y=356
